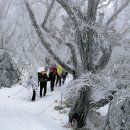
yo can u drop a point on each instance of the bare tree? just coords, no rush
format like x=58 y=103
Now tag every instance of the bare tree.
x=6 y=32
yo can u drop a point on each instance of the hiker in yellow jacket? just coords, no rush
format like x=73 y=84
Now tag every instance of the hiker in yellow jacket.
x=59 y=74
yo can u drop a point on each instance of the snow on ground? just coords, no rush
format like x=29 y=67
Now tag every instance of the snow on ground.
x=18 y=112
x=103 y=110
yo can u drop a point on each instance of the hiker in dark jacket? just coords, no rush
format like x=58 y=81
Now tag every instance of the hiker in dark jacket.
x=42 y=80
x=64 y=75
x=58 y=79
x=52 y=77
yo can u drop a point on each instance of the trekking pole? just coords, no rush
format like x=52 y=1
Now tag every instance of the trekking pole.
x=16 y=92
x=46 y=107
x=61 y=98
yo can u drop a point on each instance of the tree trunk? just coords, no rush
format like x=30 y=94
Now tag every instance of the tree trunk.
x=82 y=105
x=85 y=38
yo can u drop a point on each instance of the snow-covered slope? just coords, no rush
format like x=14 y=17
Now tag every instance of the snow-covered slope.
x=18 y=112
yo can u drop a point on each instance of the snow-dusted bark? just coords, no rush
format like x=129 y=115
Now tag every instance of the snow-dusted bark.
x=81 y=107
x=74 y=58
x=89 y=34
x=119 y=115
x=102 y=63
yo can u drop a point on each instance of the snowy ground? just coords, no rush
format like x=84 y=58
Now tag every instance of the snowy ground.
x=17 y=112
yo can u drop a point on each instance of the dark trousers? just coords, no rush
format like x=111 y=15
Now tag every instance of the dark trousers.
x=34 y=95
x=52 y=85
x=58 y=80
x=43 y=85
x=63 y=81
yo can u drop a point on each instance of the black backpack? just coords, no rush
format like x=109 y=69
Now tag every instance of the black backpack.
x=43 y=78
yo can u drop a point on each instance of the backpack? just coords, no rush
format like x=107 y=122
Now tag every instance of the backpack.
x=53 y=68
x=43 y=77
x=59 y=70
x=42 y=80
x=63 y=72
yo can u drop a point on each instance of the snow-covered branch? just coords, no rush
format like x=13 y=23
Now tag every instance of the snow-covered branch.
x=74 y=58
x=48 y=13
x=11 y=35
x=52 y=34
x=112 y=18
x=42 y=39
x=38 y=1
x=104 y=58
x=67 y=5
x=125 y=32
x=104 y=5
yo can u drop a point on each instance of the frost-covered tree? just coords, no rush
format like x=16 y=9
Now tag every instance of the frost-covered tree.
x=9 y=74
x=8 y=25
x=18 y=40
x=89 y=33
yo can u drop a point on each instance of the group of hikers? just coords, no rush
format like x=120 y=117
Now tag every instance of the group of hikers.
x=56 y=76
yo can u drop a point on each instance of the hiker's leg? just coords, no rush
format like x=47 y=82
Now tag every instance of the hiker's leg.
x=41 y=88
x=59 y=81
x=52 y=85
x=45 y=89
x=34 y=95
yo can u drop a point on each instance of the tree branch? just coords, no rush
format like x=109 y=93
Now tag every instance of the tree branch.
x=8 y=50
x=38 y=1
x=11 y=35
x=45 y=21
x=71 y=12
x=3 y=5
x=44 y=43
x=48 y=12
x=74 y=58
x=125 y=32
x=8 y=7
x=117 y=12
x=52 y=34
x=104 y=5
x=81 y=3
x=103 y=61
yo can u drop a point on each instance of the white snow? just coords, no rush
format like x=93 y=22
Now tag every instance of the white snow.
x=18 y=112
x=103 y=110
